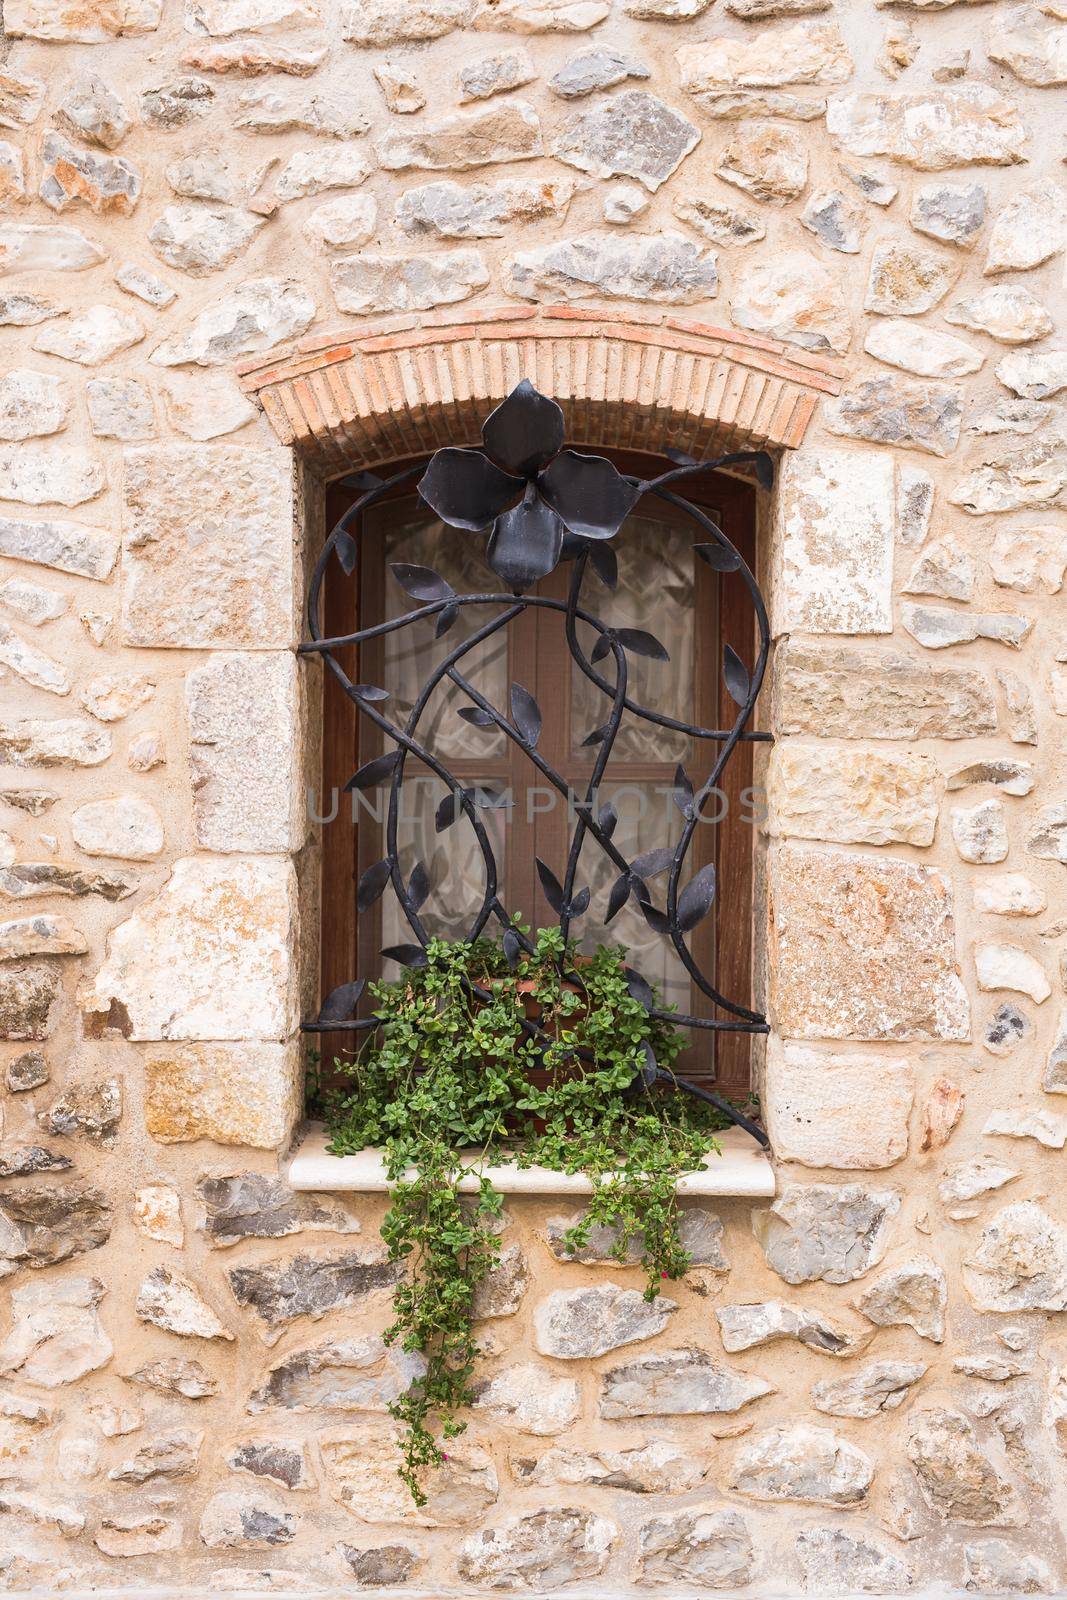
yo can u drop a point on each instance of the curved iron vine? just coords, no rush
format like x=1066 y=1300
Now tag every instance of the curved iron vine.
x=542 y=503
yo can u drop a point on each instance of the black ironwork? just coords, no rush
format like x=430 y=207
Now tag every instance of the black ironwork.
x=540 y=504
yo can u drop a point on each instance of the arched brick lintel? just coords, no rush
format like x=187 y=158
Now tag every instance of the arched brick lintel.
x=625 y=380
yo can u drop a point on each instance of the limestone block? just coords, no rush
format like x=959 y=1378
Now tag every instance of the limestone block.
x=245 y=740
x=508 y=132
x=852 y=794
x=862 y=948
x=124 y=825
x=633 y=135
x=42 y=247
x=73 y=22
x=1029 y=228
x=678 y=1383
x=480 y=211
x=574 y=1324
x=972 y=125
x=662 y=268
x=1019 y=1263
x=56 y=1336
x=93 y=336
x=959 y=1477
x=531 y=1399
x=364 y=283
x=384 y=22
x=208 y=548
x=591 y=70
x=541 y=1551
x=1008 y=313
x=359 y=1374
x=852 y=694
x=205 y=406
x=200 y=239
x=796 y=298
x=766 y=160
x=361 y=1475
x=238 y=1094
x=803 y=1463
x=895 y=411
x=31 y=404
x=806 y=52
x=821 y=1232
x=254 y=317
x=836 y=1562
x=835 y=543
x=210 y=956
x=40 y=475
x=869 y=1390
x=68 y=742
x=837 y=1111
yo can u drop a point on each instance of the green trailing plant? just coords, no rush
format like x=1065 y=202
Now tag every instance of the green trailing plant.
x=456 y=1080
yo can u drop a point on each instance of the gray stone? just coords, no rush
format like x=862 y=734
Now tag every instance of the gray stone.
x=1007 y=312
x=1029 y=228
x=32 y=404
x=45 y=247
x=1019 y=1263
x=700 y=1234
x=366 y=283
x=632 y=135
x=55 y=1336
x=21 y=98
x=704 y=1545
x=945 y=571
x=573 y=1324
x=919 y=416
x=531 y=1399
x=912 y=1295
x=168 y=1455
x=382 y=1567
x=283 y=1464
x=722 y=224
x=43 y=1224
x=657 y=1467
x=400 y=88
x=1031 y=476
x=251 y=1205
x=1033 y=49
x=500 y=1292
x=25 y=310
x=540 y=1551
x=167 y=1300
x=66 y=1520
x=201 y=239
x=914 y=503
x=92 y=110
x=995 y=1368
x=510 y=131
x=27 y=1071
x=1047 y=839
x=834 y=221
x=108 y=185
x=924 y=351
x=595 y=69
x=117 y=695
x=825 y=1232
x=144 y=285
x=873 y=186
x=667 y=10
x=35 y=802
x=122 y=825
x=745 y=1326
x=232 y=1520
x=1005 y=1029
x=835 y=1562
x=743 y=104
x=68 y=742
x=972 y=125
x=972 y=1180
x=91 y=1109
x=1034 y=376
x=383 y=22
x=952 y=212
x=766 y=160
x=253 y=57
x=623 y=202
x=137 y=1535
x=869 y=1390
x=1009 y=966
x=40 y=935
x=843 y=693
x=361 y=1475
x=30 y=664
x=23 y=1160
x=486 y=76
x=176 y=1375
x=119 y=408
x=996 y=1567
x=309 y=172
x=803 y=1463
x=205 y=406
x=175 y=104
x=358 y=1374
x=30 y=880
x=38 y=475
x=980 y=832
x=796 y=298
x=1022 y=726
x=27 y=993
x=252 y=318
x=956 y=1473
x=677 y=1383
x=663 y=268
x=268 y=110
x=542 y=16
x=307 y=1286
x=1054 y=1080
x=348 y=220
x=1029 y=559
x=482 y=211
x=905 y=281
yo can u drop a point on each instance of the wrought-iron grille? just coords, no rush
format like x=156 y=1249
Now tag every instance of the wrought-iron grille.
x=541 y=504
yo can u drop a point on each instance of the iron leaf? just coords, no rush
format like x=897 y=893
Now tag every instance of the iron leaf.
x=652 y=862
x=735 y=676
x=488 y=799
x=371 y=773
x=681 y=458
x=525 y=431
x=526 y=542
x=466 y=489
x=639 y=988
x=340 y=1004
x=344 y=547
x=697 y=898
x=603 y=646
x=590 y=494
x=597 y=736
x=650 y=1071
x=550 y=885
x=448 y=811
x=720 y=557
x=418 y=885
x=620 y=893
x=407 y=955
x=476 y=716
x=640 y=643
x=765 y=470
x=372 y=884
x=421 y=583
x=445 y=619
x=580 y=903
x=369 y=691
x=605 y=563
x=655 y=918
x=608 y=819
x=512 y=948
x=525 y=714
x=683 y=792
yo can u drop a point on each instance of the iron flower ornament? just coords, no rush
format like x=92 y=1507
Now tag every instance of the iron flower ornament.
x=525 y=488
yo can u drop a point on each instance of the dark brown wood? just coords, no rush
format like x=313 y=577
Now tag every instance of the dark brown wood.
x=536 y=658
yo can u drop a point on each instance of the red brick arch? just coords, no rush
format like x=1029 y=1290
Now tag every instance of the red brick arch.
x=625 y=380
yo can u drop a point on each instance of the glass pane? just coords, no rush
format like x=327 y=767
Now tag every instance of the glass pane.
x=656 y=592
x=412 y=535
x=454 y=861
x=648 y=819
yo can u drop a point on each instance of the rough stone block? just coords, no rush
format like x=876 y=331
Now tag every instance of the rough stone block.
x=243 y=1094
x=837 y=1111
x=863 y=948
x=853 y=794
x=208 y=548
x=244 y=737
x=208 y=957
x=849 y=694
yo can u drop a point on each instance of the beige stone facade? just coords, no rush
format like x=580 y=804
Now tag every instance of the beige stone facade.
x=249 y=245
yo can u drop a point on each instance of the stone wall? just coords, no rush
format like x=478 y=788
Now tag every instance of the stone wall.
x=860 y=1387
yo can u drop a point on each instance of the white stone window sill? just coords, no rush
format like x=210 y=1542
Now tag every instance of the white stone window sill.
x=742 y=1169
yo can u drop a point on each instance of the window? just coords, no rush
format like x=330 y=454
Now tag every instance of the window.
x=663 y=588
